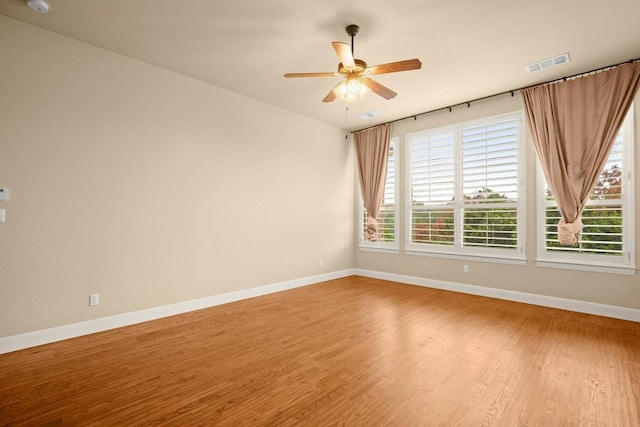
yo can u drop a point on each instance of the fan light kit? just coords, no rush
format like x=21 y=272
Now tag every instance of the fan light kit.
x=38 y=5
x=356 y=85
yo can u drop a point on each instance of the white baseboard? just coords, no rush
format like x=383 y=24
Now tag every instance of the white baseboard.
x=613 y=311
x=45 y=336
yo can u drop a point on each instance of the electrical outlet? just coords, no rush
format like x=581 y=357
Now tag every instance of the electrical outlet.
x=465 y=268
x=94 y=299
x=1 y=215
x=321 y=263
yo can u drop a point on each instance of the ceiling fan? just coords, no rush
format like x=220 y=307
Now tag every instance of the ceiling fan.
x=356 y=83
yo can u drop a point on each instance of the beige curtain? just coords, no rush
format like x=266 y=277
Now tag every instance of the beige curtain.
x=372 y=150
x=573 y=125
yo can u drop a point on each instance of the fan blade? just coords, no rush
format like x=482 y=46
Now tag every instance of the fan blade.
x=381 y=90
x=288 y=75
x=393 y=67
x=344 y=54
x=330 y=96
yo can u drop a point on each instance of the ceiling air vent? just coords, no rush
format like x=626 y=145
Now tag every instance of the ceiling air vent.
x=549 y=62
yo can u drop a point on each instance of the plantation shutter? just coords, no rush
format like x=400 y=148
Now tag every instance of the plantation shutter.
x=432 y=175
x=603 y=215
x=386 y=218
x=490 y=183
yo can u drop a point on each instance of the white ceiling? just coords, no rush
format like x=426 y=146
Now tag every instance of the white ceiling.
x=469 y=48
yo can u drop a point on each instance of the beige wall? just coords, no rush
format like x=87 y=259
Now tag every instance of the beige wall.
x=611 y=289
x=152 y=188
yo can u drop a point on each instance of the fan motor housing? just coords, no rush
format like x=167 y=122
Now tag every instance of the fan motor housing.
x=359 y=68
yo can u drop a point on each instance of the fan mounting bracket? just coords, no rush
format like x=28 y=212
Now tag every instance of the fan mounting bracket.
x=352 y=30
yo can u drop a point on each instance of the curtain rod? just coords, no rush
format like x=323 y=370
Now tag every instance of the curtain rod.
x=512 y=92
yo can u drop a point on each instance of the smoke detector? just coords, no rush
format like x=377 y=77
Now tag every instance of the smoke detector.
x=368 y=115
x=38 y=5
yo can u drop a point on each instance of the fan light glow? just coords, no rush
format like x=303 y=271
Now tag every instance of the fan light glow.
x=351 y=90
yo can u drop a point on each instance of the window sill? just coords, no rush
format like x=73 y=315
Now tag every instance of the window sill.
x=379 y=250
x=481 y=258
x=596 y=268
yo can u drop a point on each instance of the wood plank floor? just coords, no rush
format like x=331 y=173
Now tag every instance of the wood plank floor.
x=354 y=351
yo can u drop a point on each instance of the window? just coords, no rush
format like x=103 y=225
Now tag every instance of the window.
x=465 y=192
x=387 y=224
x=606 y=242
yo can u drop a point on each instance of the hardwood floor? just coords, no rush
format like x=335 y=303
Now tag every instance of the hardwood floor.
x=353 y=351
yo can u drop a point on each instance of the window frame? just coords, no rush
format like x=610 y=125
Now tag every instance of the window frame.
x=458 y=250
x=383 y=246
x=625 y=263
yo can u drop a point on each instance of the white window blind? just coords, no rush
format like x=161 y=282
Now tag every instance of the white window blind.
x=431 y=169
x=490 y=184
x=465 y=192
x=387 y=215
x=608 y=218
